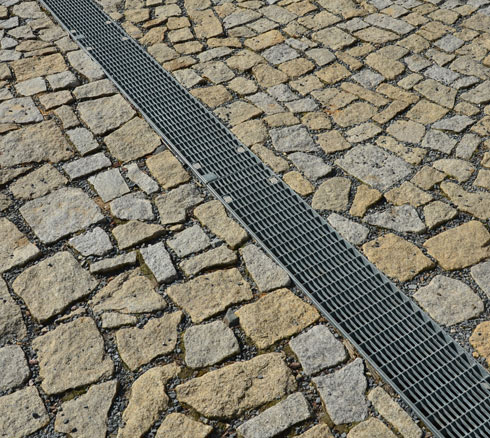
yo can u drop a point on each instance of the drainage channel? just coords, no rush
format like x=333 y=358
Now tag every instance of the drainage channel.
x=440 y=381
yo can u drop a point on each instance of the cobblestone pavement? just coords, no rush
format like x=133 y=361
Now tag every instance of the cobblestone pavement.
x=132 y=306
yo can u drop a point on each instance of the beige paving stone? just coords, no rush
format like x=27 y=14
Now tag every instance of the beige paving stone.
x=408 y=193
x=407 y=131
x=396 y=257
x=38 y=66
x=427 y=177
x=234 y=389
x=477 y=203
x=212 y=96
x=276 y=163
x=333 y=195
x=138 y=346
x=354 y=114
x=375 y=35
x=298 y=183
x=267 y=76
x=437 y=213
x=369 y=429
x=135 y=232
x=15 y=248
x=38 y=183
x=318 y=431
x=426 y=112
x=333 y=141
x=389 y=68
x=460 y=247
x=265 y=40
x=459 y=169
x=333 y=73
x=12 y=325
x=436 y=92
x=266 y=321
x=480 y=340
x=251 y=132
x=365 y=197
x=177 y=425
x=220 y=257
x=167 y=170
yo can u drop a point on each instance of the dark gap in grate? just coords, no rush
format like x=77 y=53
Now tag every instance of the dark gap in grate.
x=441 y=382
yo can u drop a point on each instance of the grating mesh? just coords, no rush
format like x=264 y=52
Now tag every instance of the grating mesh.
x=442 y=383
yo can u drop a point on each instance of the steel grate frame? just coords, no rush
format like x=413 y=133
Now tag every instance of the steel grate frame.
x=441 y=382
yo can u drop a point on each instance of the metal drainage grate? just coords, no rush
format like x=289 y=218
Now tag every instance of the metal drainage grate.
x=442 y=383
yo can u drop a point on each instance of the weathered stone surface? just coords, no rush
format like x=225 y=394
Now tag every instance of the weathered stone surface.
x=212 y=96
x=438 y=212
x=71 y=355
x=178 y=425
x=396 y=257
x=19 y=110
x=138 y=346
x=15 y=248
x=427 y=177
x=266 y=274
x=298 y=183
x=94 y=242
x=210 y=294
x=133 y=140
x=313 y=167
x=209 y=344
x=343 y=393
x=86 y=165
x=408 y=193
x=449 y=301
x=371 y=428
x=22 y=413
x=292 y=138
x=147 y=400
x=480 y=340
x=83 y=140
x=38 y=183
x=234 y=389
x=41 y=142
x=215 y=258
x=459 y=169
x=393 y=413
x=275 y=316
x=364 y=198
x=106 y=113
x=460 y=247
x=87 y=414
x=333 y=194
x=318 y=431
x=167 y=170
x=213 y=216
x=136 y=232
x=81 y=62
x=100 y=88
x=374 y=166
x=114 y=263
x=403 y=219
x=109 y=184
x=133 y=206
x=173 y=205
x=189 y=241
x=12 y=326
x=38 y=66
x=159 y=262
x=475 y=203
x=406 y=131
x=141 y=179
x=14 y=367
x=113 y=320
x=52 y=285
x=62 y=212
x=481 y=274
x=318 y=349
x=278 y=418
x=352 y=231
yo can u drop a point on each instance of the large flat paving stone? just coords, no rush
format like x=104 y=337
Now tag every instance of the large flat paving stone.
x=178 y=425
x=15 y=248
x=60 y=213
x=19 y=110
x=38 y=66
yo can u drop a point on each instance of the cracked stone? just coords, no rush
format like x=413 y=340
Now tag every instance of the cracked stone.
x=460 y=247
x=133 y=206
x=172 y=206
x=352 y=231
x=396 y=257
x=138 y=346
x=481 y=275
x=437 y=213
x=52 y=285
x=109 y=184
x=215 y=258
x=159 y=262
x=135 y=232
x=12 y=325
x=95 y=242
x=189 y=241
x=177 y=425
x=234 y=389
x=14 y=367
x=209 y=344
x=333 y=195
x=167 y=170
x=38 y=183
x=449 y=301
x=72 y=355
x=343 y=393
x=81 y=62
x=64 y=211
x=477 y=204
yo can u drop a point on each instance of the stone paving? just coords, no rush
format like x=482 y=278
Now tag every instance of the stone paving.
x=132 y=306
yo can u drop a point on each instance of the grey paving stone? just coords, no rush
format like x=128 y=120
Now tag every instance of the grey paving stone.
x=403 y=219
x=438 y=141
x=159 y=262
x=465 y=82
x=282 y=93
x=479 y=94
x=266 y=274
x=141 y=179
x=87 y=165
x=173 y=205
x=15 y=247
x=318 y=349
x=454 y=124
x=279 y=54
x=368 y=78
x=311 y=166
x=19 y=110
x=386 y=22
x=321 y=56
x=95 y=89
x=449 y=43
x=481 y=274
x=62 y=212
x=81 y=62
x=302 y=105
x=189 y=241
x=133 y=206
x=270 y=423
x=416 y=62
x=14 y=367
x=64 y=79
x=31 y=86
x=109 y=184
x=343 y=393
x=12 y=327
x=266 y=103
x=209 y=344
x=352 y=231
x=441 y=74
x=239 y=17
x=95 y=242
x=292 y=139
x=114 y=263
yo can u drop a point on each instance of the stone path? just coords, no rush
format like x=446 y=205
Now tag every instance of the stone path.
x=132 y=306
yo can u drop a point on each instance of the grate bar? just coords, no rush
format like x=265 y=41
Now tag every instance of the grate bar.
x=440 y=381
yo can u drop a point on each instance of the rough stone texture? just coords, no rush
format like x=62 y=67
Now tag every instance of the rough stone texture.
x=133 y=140
x=81 y=62
x=12 y=325
x=449 y=301
x=460 y=247
x=393 y=413
x=62 y=212
x=266 y=274
x=408 y=193
x=87 y=414
x=159 y=262
x=167 y=170
x=14 y=367
x=136 y=232
x=209 y=344
x=318 y=349
x=109 y=184
x=15 y=248
x=278 y=418
x=133 y=206
x=210 y=294
x=477 y=203
x=318 y=431
x=438 y=212
x=19 y=110
x=94 y=242
x=352 y=231
x=364 y=198
x=173 y=205
x=481 y=274
x=333 y=194
x=71 y=355
x=343 y=393
x=178 y=425
x=480 y=340
x=275 y=316
x=292 y=139
x=141 y=179
x=402 y=219
x=86 y=165
x=234 y=389
x=22 y=413
x=38 y=183
x=459 y=169
x=313 y=167
x=83 y=140
x=38 y=66
x=215 y=258
x=114 y=263
x=189 y=241
x=52 y=285
x=40 y=142
x=105 y=114
x=213 y=216
x=371 y=428
x=298 y=183
x=396 y=257
x=147 y=400
x=374 y=166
